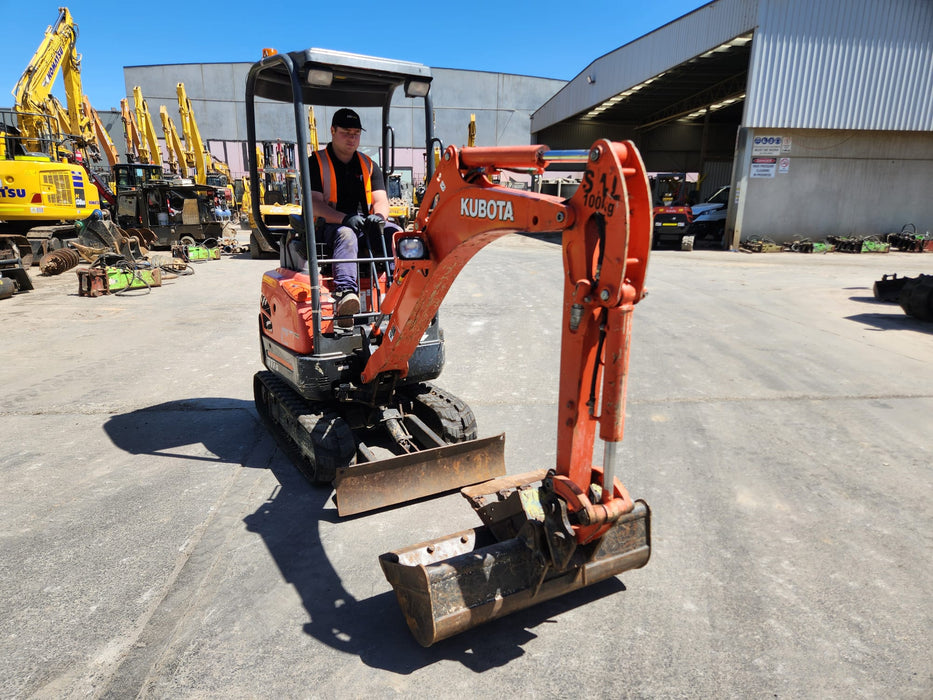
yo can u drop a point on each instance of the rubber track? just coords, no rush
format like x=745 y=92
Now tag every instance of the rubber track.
x=328 y=440
x=441 y=409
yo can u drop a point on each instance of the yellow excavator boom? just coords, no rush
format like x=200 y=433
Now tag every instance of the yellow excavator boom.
x=195 y=151
x=149 y=150
x=130 y=131
x=56 y=54
x=312 y=132
x=176 y=151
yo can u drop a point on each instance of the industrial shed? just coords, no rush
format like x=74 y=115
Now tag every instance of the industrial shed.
x=501 y=103
x=818 y=113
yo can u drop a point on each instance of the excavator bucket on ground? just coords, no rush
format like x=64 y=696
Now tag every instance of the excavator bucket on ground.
x=387 y=482
x=449 y=585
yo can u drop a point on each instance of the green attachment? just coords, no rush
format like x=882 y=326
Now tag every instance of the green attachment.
x=119 y=279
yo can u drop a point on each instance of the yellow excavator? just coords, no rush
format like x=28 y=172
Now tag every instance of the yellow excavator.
x=207 y=169
x=42 y=193
x=278 y=199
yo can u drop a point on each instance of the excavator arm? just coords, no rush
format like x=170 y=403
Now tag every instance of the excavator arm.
x=580 y=525
x=607 y=237
x=130 y=131
x=102 y=137
x=196 y=156
x=176 y=152
x=56 y=54
x=149 y=151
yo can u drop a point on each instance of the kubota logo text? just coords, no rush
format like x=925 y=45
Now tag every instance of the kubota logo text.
x=486 y=209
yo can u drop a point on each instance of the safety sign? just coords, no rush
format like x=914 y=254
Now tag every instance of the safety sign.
x=766 y=146
x=763 y=167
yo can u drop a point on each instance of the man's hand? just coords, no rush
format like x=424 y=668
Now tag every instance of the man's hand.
x=354 y=221
x=374 y=220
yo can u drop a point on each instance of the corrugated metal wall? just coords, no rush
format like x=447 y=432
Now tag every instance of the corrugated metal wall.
x=842 y=64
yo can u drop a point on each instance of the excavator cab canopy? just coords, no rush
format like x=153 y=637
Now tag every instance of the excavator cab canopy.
x=327 y=78
x=320 y=77
x=340 y=79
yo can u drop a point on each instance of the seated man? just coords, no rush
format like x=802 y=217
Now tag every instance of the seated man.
x=348 y=193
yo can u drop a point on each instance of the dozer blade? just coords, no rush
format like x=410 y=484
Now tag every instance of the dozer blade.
x=13 y=268
x=387 y=482
x=458 y=582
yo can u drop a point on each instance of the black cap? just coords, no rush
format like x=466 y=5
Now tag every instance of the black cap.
x=347 y=118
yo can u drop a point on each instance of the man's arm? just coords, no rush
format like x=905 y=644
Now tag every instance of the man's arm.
x=380 y=198
x=381 y=203
x=323 y=210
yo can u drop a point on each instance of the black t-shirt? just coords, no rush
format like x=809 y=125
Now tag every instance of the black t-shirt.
x=351 y=191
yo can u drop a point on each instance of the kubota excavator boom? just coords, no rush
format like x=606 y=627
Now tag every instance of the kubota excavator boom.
x=545 y=532
x=579 y=525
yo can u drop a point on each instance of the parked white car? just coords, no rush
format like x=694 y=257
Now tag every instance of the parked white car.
x=709 y=218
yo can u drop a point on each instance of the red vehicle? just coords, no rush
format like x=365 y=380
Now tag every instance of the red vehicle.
x=672 y=212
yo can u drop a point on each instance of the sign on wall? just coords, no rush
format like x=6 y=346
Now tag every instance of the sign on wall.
x=763 y=167
x=767 y=146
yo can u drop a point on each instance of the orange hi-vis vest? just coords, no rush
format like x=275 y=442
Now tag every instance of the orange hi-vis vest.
x=329 y=177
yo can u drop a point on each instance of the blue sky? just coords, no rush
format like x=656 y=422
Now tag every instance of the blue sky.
x=545 y=39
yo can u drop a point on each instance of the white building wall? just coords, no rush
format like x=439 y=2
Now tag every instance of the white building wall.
x=831 y=183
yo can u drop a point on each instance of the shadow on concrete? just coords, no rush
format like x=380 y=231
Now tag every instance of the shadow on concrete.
x=875 y=302
x=892 y=322
x=216 y=423
x=374 y=629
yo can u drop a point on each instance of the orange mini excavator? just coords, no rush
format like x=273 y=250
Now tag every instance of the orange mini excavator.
x=354 y=405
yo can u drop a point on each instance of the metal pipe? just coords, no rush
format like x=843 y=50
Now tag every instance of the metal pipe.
x=610 y=467
x=576 y=156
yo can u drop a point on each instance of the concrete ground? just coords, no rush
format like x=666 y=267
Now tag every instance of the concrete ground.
x=156 y=543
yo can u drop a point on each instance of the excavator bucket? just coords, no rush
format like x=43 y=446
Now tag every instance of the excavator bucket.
x=452 y=584
x=373 y=485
